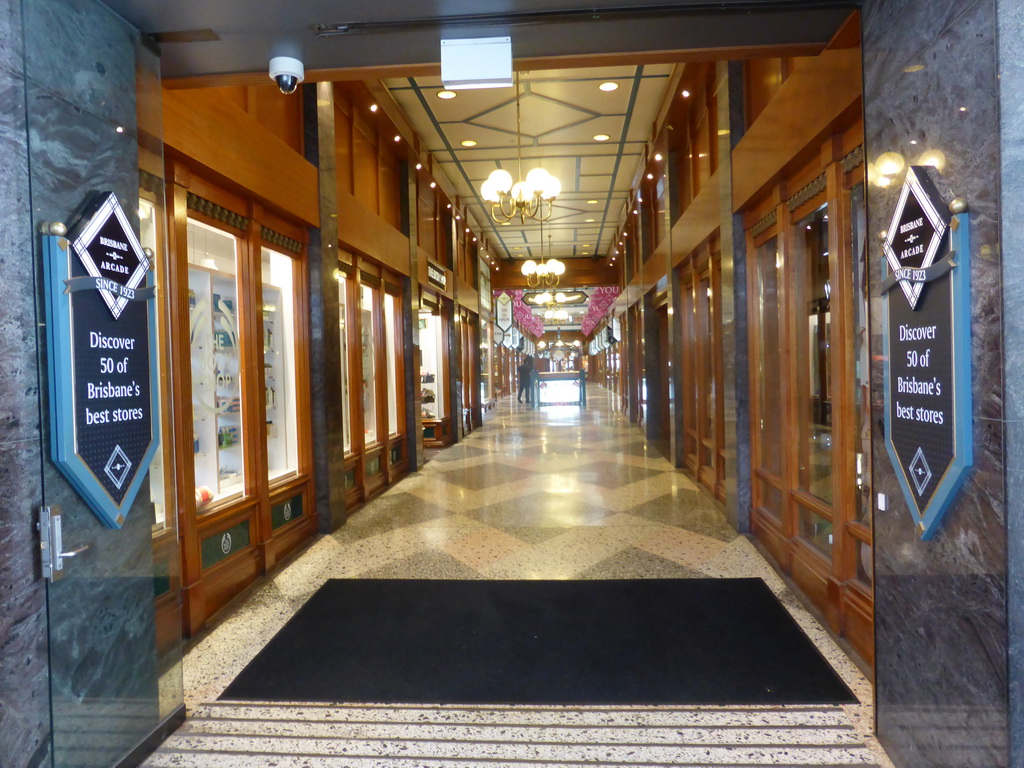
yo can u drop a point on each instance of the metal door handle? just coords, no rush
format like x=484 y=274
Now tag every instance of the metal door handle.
x=52 y=544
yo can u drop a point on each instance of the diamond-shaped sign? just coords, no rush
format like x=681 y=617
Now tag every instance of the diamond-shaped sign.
x=915 y=235
x=118 y=466
x=920 y=472
x=101 y=361
x=108 y=249
x=926 y=348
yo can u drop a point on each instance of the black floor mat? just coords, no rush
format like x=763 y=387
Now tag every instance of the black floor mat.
x=672 y=641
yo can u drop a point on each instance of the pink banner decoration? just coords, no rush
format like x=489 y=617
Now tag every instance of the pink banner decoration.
x=523 y=315
x=601 y=300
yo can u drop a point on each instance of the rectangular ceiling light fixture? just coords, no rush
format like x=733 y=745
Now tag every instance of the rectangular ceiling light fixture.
x=482 y=62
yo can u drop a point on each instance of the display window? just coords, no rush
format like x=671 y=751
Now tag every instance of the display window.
x=279 y=364
x=470 y=403
x=432 y=385
x=814 y=358
x=486 y=363
x=215 y=343
x=346 y=407
x=373 y=375
x=160 y=480
x=860 y=527
x=768 y=394
x=368 y=351
x=392 y=337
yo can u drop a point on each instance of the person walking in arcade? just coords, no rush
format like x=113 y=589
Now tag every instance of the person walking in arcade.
x=525 y=371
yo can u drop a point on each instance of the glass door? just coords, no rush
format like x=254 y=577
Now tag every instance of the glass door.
x=115 y=665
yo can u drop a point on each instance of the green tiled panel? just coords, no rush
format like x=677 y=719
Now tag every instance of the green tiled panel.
x=285 y=512
x=224 y=544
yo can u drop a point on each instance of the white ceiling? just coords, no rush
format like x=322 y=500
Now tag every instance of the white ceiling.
x=561 y=112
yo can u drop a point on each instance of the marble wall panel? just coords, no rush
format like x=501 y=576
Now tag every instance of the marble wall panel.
x=24 y=694
x=24 y=700
x=19 y=406
x=735 y=352
x=1011 y=129
x=940 y=606
x=80 y=70
x=11 y=48
x=84 y=54
x=325 y=332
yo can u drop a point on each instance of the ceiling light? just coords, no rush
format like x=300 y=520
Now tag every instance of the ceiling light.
x=657 y=157
x=591 y=202
x=373 y=107
x=588 y=221
x=650 y=175
x=446 y=95
x=609 y=86
x=398 y=138
x=602 y=137
x=529 y=198
x=547 y=272
x=686 y=94
x=433 y=184
x=913 y=68
x=468 y=143
x=419 y=166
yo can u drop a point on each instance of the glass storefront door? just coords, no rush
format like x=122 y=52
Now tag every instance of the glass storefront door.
x=114 y=670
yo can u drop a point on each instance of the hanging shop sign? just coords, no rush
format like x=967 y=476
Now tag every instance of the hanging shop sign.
x=100 y=331
x=437 y=277
x=499 y=337
x=927 y=337
x=503 y=315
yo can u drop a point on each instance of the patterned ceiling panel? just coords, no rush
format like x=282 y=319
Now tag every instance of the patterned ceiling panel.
x=561 y=113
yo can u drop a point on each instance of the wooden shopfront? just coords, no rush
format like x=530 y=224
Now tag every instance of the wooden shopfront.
x=703 y=436
x=239 y=201
x=488 y=372
x=238 y=292
x=373 y=377
x=809 y=355
x=436 y=377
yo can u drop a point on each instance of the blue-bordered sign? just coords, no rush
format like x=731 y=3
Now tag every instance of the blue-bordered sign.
x=102 y=358
x=927 y=337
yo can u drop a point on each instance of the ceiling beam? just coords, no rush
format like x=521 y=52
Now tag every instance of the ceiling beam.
x=534 y=63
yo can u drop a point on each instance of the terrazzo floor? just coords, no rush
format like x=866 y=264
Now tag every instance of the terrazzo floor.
x=553 y=493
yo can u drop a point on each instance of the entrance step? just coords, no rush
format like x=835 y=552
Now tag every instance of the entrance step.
x=241 y=735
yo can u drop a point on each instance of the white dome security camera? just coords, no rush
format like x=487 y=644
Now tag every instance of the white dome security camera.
x=287 y=73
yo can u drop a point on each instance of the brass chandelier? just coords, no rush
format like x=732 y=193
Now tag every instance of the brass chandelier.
x=547 y=272
x=529 y=198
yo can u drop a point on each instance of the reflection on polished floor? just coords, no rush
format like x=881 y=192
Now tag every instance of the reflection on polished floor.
x=555 y=493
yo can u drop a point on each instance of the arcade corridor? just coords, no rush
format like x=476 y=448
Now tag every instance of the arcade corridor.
x=556 y=493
